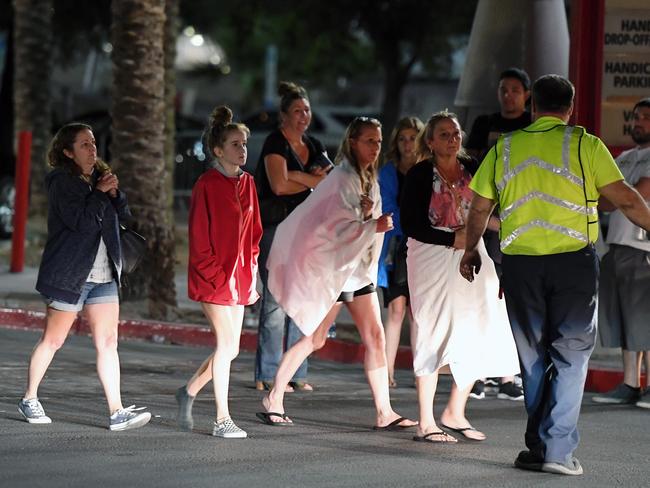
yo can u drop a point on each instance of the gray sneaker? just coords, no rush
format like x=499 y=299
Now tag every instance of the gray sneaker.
x=129 y=418
x=572 y=468
x=33 y=411
x=228 y=430
x=184 y=415
x=621 y=395
x=644 y=401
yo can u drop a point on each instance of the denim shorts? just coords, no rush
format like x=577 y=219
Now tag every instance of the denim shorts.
x=91 y=294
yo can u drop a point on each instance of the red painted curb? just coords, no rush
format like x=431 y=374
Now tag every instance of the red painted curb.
x=598 y=379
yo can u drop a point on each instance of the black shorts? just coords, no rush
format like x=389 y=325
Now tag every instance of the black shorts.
x=348 y=296
x=393 y=291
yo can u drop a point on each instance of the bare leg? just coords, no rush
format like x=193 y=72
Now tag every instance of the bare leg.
x=454 y=413
x=646 y=355
x=396 y=312
x=103 y=318
x=227 y=323
x=291 y=361
x=201 y=378
x=632 y=368
x=366 y=315
x=426 y=386
x=56 y=330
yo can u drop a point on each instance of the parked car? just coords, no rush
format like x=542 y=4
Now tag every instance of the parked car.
x=328 y=125
x=7 y=198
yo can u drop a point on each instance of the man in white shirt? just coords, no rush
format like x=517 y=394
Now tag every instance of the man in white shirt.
x=624 y=292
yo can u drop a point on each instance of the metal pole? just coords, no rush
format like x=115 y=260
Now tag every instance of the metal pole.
x=22 y=201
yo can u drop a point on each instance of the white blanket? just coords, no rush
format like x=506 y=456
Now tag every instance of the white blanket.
x=460 y=324
x=320 y=245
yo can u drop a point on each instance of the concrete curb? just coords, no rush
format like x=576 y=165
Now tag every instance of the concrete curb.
x=598 y=379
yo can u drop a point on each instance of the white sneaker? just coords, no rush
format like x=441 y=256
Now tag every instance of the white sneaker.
x=228 y=430
x=33 y=411
x=129 y=418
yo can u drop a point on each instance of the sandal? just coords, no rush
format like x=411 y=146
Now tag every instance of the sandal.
x=463 y=431
x=443 y=439
x=301 y=386
x=268 y=386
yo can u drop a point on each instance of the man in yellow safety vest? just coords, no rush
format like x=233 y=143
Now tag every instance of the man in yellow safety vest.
x=547 y=179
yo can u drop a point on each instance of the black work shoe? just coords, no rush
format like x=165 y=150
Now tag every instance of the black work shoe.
x=529 y=461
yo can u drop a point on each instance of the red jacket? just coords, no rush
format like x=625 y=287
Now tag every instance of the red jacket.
x=224 y=235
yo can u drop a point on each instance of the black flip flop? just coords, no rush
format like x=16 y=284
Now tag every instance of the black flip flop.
x=266 y=418
x=427 y=437
x=462 y=432
x=394 y=425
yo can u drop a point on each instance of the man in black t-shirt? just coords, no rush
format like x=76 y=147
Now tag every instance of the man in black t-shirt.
x=513 y=93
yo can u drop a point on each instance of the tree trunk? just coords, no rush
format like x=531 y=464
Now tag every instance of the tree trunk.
x=32 y=96
x=396 y=75
x=392 y=102
x=138 y=148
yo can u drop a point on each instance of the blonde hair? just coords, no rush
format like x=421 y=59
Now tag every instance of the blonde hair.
x=406 y=123
x=368 y=175
x=220 y=125
x=426 y=134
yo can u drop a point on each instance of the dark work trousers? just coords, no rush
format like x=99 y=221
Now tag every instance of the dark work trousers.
x=552 y=307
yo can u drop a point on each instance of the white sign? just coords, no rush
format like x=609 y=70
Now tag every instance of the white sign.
x=626 y=68
x=627 y=30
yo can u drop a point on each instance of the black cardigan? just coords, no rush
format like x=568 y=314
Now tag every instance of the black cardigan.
x=414 y=207
x=78 y=214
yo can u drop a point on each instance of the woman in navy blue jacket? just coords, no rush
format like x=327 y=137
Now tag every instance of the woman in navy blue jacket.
x=391 y=278
x=81 y=268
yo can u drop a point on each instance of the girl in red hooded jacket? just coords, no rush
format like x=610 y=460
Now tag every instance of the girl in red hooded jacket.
x=224 y=234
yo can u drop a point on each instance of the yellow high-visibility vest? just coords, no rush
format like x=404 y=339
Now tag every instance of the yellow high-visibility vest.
x=548 y=201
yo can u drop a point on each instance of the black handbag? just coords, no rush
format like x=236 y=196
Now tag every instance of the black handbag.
x=133 y=248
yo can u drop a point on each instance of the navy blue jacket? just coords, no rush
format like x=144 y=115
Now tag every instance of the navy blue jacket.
x=77 y=216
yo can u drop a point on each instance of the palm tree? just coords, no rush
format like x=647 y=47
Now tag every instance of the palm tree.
x=32 y=68
x=138 y=148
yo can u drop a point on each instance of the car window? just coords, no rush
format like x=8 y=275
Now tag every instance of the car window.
x=317 y=124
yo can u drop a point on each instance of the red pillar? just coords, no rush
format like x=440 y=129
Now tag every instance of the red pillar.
x=586 y=61
x=22 y=202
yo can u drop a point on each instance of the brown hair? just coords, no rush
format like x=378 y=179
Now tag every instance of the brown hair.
x=64 y=139
x=219 y=125
x=426 y=134
x=289 y=92
x=368 y=175
x=406 y=123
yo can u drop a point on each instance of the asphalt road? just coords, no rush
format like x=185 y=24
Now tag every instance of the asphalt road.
x=331 y=444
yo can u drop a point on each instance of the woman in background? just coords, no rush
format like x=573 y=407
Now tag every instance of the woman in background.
x=392 y=274
x=289 y=167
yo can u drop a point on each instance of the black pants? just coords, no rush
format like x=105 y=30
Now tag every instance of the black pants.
x=552 y=306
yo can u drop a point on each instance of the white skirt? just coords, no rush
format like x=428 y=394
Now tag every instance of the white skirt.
x=460 y=324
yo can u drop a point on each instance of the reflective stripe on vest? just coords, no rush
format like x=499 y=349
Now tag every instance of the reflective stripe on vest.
x=563 y=172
